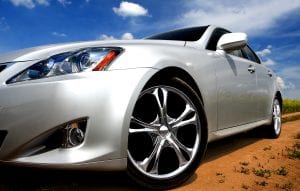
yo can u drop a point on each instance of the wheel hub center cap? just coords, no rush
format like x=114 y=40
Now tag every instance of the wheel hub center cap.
x=163 y=130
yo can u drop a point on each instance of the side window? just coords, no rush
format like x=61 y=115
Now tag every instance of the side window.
x=214 y=38
x=237 y=53
x=250 y=55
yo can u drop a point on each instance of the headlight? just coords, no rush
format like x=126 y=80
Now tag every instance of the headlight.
x=92 y=59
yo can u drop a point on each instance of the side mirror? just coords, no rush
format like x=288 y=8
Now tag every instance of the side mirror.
x=232 y=41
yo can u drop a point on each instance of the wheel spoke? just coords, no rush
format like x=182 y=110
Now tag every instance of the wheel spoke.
x=278 y=110
x=277 y=119
x=143 y=130
x=145 y=163
x=154 y=169
x=180 y=156
x=152 y=125
x=188 y=109
x=162 y=106
x=186 y=149
x=191 y=121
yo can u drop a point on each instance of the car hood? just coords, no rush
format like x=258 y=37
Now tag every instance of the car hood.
x=18 y=55
x=43 y=52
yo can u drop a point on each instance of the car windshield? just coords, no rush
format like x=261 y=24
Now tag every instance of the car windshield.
x=187 y=34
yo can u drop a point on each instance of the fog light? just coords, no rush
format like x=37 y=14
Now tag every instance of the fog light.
x=74 y=134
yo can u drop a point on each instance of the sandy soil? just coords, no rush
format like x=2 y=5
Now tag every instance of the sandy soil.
x=291 y=115
x=229 y=165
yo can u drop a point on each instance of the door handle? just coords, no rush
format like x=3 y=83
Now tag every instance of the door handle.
x=251 y=69
x=270 y=73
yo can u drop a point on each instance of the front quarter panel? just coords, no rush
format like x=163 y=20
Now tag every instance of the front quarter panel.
x=197 y=63
x=106 y=98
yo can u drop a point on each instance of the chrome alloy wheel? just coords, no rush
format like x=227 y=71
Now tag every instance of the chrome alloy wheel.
x=276 y=117
x=164 y=133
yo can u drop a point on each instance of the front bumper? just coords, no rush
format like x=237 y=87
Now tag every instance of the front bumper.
x=30 y=109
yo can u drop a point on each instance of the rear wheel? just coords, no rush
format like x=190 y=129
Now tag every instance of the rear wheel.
x=274 y=129
x=164 y=144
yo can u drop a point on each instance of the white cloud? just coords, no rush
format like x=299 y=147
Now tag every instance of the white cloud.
x=289 y=89
x=42 y=2
x=26 y=3
x=285 y=85
x=269 y=62
x=128 y=9
x=106 y=37
x=58 y=34
x=65 y=2
x=291 y=81
x=265 y=52
x=292 y=72
x=251 y=16
x=280 y=82
x=125 y=36
x=30 y=4
x=3 y=24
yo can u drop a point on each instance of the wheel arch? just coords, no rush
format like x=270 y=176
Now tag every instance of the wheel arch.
x=180 y=76
x=279 y=96
x=174 y=72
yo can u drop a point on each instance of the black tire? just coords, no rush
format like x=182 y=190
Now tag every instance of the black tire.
x=159 y=173
x=274 y=129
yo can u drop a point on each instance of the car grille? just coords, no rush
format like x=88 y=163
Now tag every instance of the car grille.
x=2 y=136
x=2 y=67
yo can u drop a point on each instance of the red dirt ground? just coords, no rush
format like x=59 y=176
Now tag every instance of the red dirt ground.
x=231 y=166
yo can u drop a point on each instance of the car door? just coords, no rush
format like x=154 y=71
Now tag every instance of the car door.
x=265 y=86
x=236 y=81
x=236 y=84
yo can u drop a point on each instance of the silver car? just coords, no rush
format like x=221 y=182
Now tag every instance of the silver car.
x=146 y=106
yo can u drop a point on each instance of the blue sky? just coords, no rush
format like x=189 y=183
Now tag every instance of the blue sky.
x=273 y=26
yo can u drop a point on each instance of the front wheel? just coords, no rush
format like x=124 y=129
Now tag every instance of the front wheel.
x=274 y=129
x=164 y=138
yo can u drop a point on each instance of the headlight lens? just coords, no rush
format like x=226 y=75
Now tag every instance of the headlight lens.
x=92 y=59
